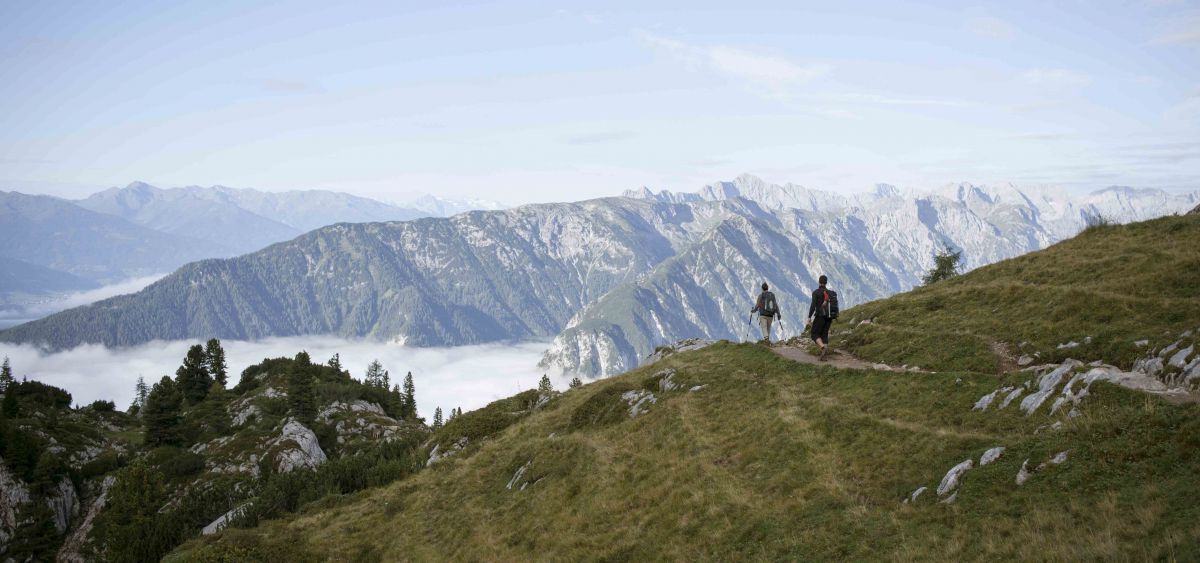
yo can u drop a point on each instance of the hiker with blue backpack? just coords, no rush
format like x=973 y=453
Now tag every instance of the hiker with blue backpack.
x=821 y=312
x=768 y=310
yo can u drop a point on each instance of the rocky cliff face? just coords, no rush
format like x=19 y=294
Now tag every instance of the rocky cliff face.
x=870 y=246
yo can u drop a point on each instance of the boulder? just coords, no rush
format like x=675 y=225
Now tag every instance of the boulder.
x=639 y=401
x=301 y=450
x=991 y=455
x=951 y=480
x=13 y=494
x=1180 y=358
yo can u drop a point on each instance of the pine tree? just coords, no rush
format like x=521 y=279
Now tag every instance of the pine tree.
x=140 y=391
x=375 y=374
x=437 y=418
x=161 y=414
x=192 y=376
x=127 y=527
x=459 y=411
x=946 y=263
x=215 y=355
x=6 y=376
x=301 y=395
x=576 y=382
x=410 y=397
x=336 y=362
x=544 y=386
x=453 y=412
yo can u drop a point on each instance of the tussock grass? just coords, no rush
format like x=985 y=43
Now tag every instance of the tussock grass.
x=776 y=460
x=1115 y=283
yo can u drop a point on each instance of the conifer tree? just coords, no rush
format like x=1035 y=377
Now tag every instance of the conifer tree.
x=375 y=374
x=301 y=393
x=140 y=391
x=6 y=376
x=544 y=386
x=336 y=362
x=410 y=397
x=576 y=382
x=161 y=414
x=192 y=376
x=215 y=355
x=127 y=527
x=437 y=418
x=946 y=263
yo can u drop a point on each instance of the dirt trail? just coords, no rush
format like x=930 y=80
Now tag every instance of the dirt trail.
x=835 y=358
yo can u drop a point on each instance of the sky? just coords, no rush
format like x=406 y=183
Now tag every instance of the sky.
x=530 y=101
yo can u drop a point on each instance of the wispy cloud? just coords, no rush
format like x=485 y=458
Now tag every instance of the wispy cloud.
x=990 y=27
x=773 y=75
x=598 y=137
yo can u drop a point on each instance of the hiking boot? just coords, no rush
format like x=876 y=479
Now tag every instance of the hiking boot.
x=823 y=350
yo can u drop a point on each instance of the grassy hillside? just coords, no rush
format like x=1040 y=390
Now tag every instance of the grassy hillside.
x=770 y=459
x=1116 y=284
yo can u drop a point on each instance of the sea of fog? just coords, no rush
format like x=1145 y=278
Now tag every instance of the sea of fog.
x=460 y=376
x=12 y=314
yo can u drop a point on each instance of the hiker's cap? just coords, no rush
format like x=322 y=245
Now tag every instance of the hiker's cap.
x=764 y=286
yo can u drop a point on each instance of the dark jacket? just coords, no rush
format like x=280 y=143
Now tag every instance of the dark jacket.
x=818 y=299
x=762 y=300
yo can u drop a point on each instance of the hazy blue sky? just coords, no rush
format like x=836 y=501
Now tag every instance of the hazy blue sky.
x=525 y=101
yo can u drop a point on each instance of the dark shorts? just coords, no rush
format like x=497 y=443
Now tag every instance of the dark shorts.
x=820 y=329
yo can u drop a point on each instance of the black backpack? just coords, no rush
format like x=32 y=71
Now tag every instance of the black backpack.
x=770 y=307
x=829 y=309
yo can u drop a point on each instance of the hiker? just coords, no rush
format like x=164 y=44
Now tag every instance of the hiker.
x=768 y=310
x=821 y=312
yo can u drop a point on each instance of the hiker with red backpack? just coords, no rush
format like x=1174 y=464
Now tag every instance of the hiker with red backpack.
x=821 y=312
x=768 y=310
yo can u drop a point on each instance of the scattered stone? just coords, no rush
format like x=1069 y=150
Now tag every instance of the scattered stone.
x=436 y=454
x=639 y=401
x=272 y=393
x=991 y=455
x=1024 y=361
x=666 y=381
x=1163 y=353
x=984 y=401
x=950 y=481
x=223 y=520
x=1141 y=343
x=1023 y=474
x=1185 y=334
x=917 y=493
x=1054 y=427
x=1087 y=340
x=1046 y=386
x=1071 y=344
x=243 y=416
x=1149 y=366
x=1180 y=358
x=681 y=346
x=864 y=322
x=696 y=388
x=516 y=478
x=1059 y=458
x=1016 y=392
x=882 y=367
x=950 y=499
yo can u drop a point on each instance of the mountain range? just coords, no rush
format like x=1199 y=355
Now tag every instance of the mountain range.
x=609 y=279
x=139 y=230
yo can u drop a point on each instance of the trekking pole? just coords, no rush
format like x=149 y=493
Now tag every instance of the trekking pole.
x=749 y=325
